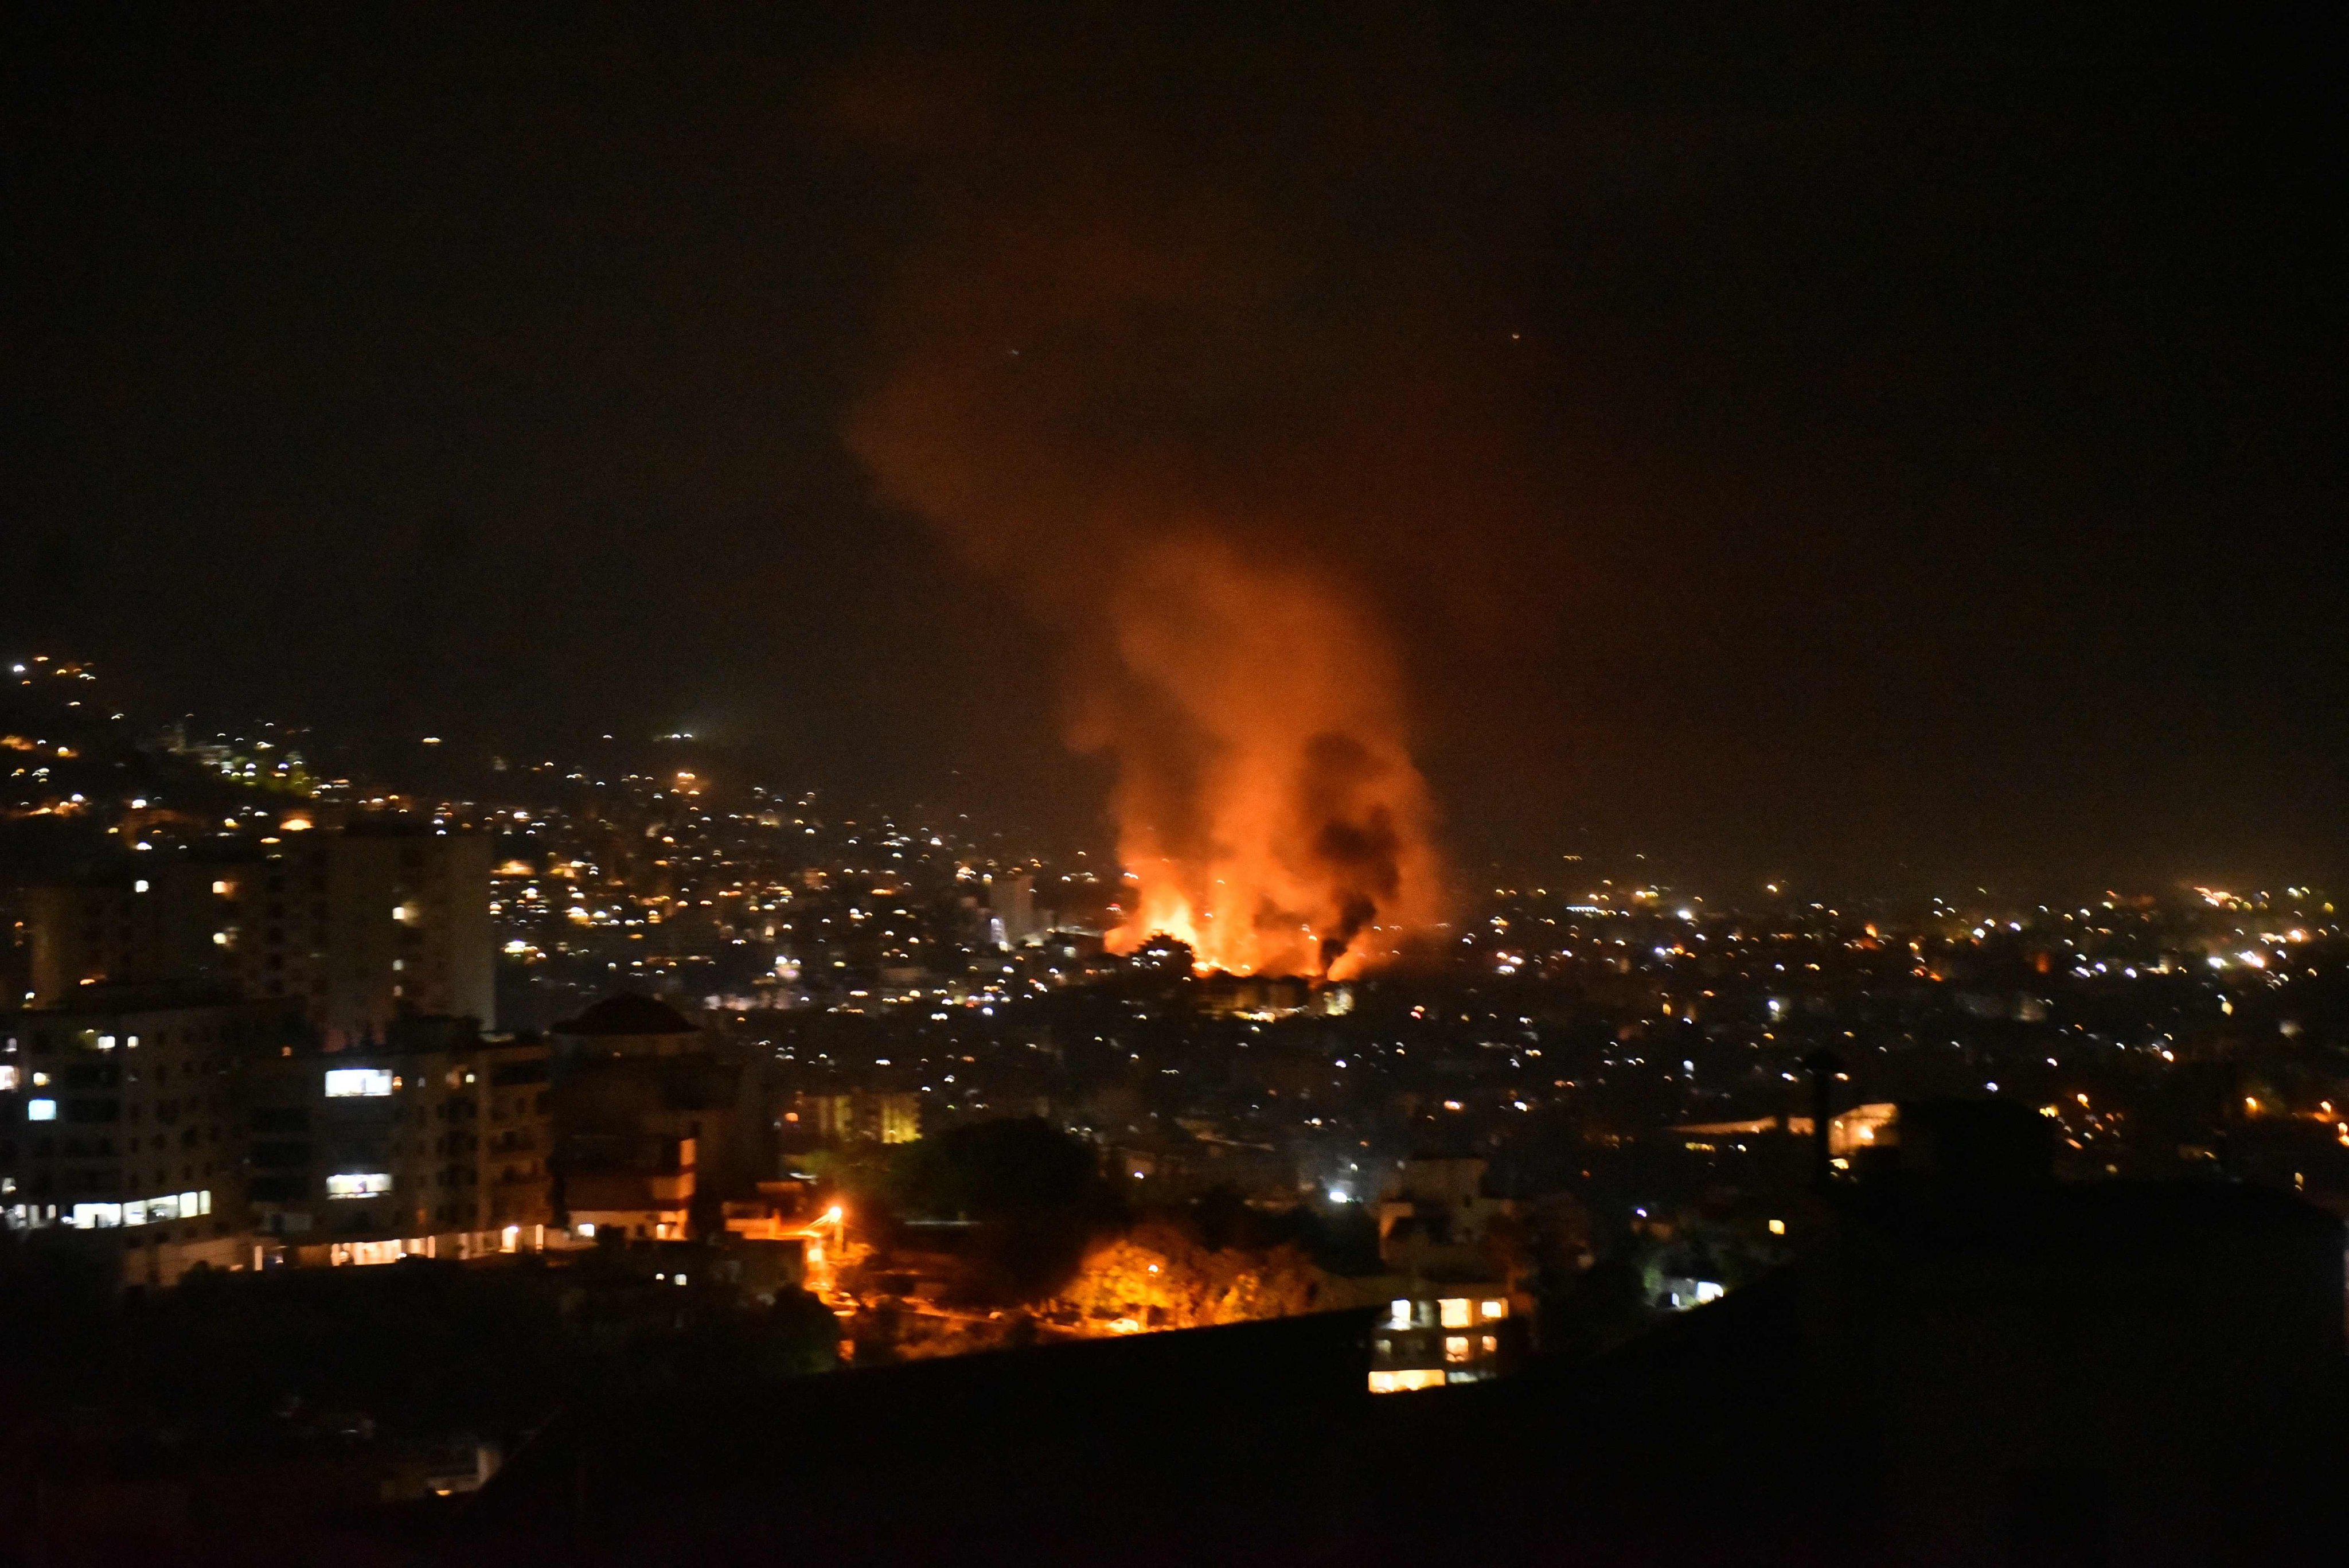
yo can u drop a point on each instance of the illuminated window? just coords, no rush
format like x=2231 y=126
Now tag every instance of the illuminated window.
x=223 y=888
x=171 y=1206
x=94 y=1216
x=1777 y=1227
x=1492 y=1344
x=9 y=1077
x=366 y=1252
x=1455 y=1348
x=1456 y=1312
x=106 y=1042
x=348 y=1082
x=1399 y=1313
x=358 y=1184
x=1399 y=1382
x=1494 y=1309
x=40 y=1110
x=1864 y=1126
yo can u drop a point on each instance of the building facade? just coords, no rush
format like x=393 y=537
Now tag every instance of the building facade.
x=367 y=926
x=122 y=1119
x=361 y=927
x=861 y=1116
x=435 y=1143
x=1428 y=1340
x=156 y=925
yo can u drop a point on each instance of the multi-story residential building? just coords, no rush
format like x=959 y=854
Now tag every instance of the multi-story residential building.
x=635 y=1188
x=122 y=1117
x=861 y=1116
x=436 y=1142
x=159 y=924
x=1426 y=1340
x=629 y=1026
x=652 y=1112
x=1452 y=1317
x=1435 y=1221
x=367 y=926
x=361 y=926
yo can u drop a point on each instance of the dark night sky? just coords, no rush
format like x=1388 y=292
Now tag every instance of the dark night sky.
x=1874 y=451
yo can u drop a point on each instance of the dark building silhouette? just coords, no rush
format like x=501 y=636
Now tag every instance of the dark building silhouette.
x=359 y=926
x=655 y=1123
x=1991 y=1369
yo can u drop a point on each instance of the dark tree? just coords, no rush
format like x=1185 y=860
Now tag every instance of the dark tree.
x=1037 y=1193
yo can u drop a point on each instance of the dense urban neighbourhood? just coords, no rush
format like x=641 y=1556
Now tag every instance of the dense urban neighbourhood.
x=460 y=1108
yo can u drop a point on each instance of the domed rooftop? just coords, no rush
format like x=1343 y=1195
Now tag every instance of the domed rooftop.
x=628 y=1014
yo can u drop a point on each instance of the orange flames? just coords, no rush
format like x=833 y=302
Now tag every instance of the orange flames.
x=1268 y=811
x=1102 y=412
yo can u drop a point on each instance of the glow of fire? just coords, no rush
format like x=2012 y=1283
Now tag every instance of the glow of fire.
x=1282 y=828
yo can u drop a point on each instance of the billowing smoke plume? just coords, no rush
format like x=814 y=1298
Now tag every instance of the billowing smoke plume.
x=1051 y=413
x=1143 y=403
x=1266 y=801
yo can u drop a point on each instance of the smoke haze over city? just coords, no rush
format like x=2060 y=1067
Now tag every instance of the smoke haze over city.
x=1890 y=456
x=1320 y=784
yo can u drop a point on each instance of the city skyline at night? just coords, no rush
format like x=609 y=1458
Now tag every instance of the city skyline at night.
x=1073 y=782
x=1815 y=472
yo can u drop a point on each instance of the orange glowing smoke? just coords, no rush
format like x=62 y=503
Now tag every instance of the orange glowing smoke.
x=1268 y=809
x=1123 y=408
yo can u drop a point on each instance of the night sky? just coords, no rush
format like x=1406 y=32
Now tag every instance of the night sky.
x=1882 y=452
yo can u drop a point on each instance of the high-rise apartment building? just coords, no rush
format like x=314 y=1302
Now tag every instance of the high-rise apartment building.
x=367 y=926
x=434 y=1142
x=159 y=924
x=1012 y=901
x=361 y=926
x=862 y=1116
x=122 y=1116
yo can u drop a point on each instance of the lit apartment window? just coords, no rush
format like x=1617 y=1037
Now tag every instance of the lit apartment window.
x=9 y=1077
x=355 y=1082
x=1456 y=1312
x=1495 y=1310
x=1455 y=1348
x=40 y=1110
x=358 y=1184
x=1399 y=1313
x=171 y=1206
x=1401 y=1381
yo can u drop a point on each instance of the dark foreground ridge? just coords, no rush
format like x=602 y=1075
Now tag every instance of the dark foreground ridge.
x=2120 y=1374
